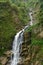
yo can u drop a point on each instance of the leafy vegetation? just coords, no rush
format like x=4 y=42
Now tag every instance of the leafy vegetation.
x=14 y=16
x=12 y=19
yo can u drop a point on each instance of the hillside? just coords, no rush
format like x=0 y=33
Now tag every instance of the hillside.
x=14 y=16
x=11 y=21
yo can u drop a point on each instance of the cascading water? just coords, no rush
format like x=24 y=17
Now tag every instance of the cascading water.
x=17 y=42
x=16 y=47
x=31 y=22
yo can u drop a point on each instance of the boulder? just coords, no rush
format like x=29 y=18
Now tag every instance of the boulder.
x=8 y=53
x=3 y=60
x=40 y=35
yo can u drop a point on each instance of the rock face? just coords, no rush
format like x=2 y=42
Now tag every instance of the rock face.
x=8 y=53
x=30 y=53
x=40 y=35
x=5 y=58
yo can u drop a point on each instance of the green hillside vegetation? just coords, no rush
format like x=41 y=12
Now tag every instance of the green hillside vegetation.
x=12 y=19
x=14 y=15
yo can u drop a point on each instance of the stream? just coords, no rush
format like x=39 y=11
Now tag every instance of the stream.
x=17 y=43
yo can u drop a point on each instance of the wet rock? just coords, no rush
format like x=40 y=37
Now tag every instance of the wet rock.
x=8 y=53
x=37 y=62
x=27 y=59
x=40 y=35
x=6 y=58
x=3 y=60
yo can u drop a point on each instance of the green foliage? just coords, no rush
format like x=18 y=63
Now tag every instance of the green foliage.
x=37 y=41
x=8 y=25
x=11 y=18
x=23 y=15
x=7 y=28
x=0 y=64
x=22 y=9
x=3 y=0
x=16 y=9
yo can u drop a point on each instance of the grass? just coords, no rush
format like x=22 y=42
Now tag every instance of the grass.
x=37 y=41
x=3 y=0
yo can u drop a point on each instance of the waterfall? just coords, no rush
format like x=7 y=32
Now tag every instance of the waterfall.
x=17 y=43
x=31 y=22
x=16 y=47
x=18 y=40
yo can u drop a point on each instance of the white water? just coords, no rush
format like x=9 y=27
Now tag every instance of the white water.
x=16 y=47
x=31 y=22
x=17 y=43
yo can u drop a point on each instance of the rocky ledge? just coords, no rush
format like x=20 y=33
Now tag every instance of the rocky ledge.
x=6 y=58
